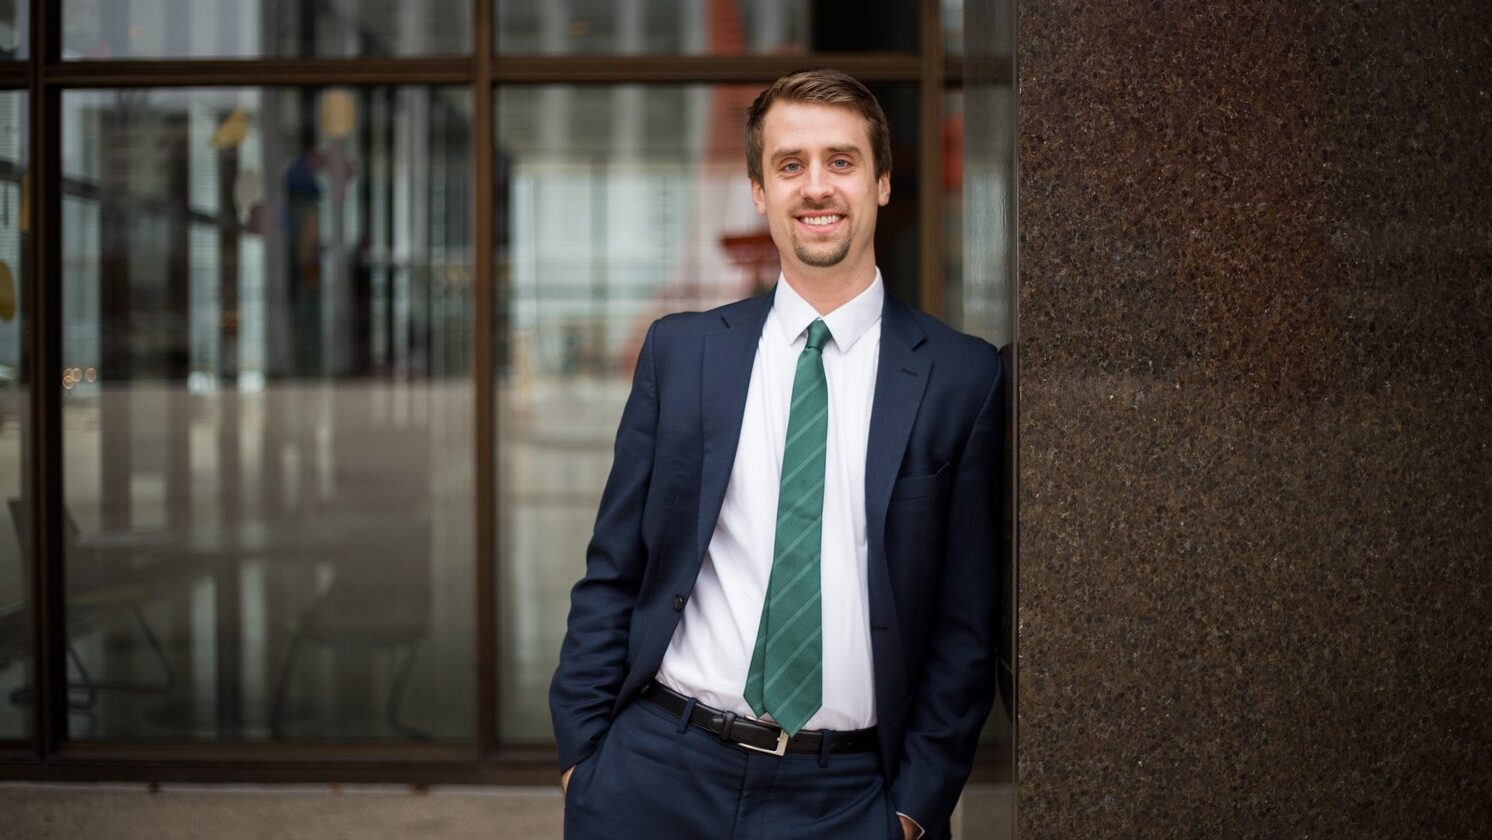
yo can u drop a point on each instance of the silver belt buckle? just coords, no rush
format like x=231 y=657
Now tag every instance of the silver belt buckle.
x=781 y=745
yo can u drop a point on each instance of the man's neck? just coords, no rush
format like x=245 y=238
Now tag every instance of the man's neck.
x=827 y=292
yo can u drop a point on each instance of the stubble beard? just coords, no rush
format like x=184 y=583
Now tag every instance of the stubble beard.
x=821 y=258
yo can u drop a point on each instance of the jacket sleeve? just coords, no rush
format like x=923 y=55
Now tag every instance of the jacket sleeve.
x=957 y=687
x=593 y=657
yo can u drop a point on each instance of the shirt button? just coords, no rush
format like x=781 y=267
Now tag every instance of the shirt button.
x=678 y=603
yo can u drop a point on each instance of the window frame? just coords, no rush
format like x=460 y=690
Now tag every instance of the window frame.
x=48 y=754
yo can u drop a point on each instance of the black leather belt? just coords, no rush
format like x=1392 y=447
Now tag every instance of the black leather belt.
x=754 y=734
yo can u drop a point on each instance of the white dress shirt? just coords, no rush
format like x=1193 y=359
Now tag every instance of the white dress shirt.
x=711 y=650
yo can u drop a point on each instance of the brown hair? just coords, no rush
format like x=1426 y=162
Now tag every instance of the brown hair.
x=820 y=87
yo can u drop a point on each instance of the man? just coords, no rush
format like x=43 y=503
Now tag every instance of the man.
x=786 y=626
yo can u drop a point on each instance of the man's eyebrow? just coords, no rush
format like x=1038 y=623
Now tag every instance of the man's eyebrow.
x=833 y=150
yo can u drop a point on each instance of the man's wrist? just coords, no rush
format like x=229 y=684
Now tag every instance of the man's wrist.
x=917 y=830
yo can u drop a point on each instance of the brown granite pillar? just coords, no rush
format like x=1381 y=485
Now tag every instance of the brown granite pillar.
x=1255 y=423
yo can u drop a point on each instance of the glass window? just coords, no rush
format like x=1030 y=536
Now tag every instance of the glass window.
x=105 y=29
x=953 y=27
x=615 y=205
x=699 y=27
x=982 y=211
x=267 y=418
x=15 y=580
x=14 y=30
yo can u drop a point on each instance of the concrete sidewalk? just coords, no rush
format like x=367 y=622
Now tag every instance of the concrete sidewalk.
x=328 y=812
x=281 y=812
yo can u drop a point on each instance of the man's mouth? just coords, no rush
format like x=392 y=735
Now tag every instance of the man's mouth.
x=823 y=220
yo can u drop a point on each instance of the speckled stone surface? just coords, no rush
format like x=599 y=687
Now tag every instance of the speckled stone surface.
x=1255 y=447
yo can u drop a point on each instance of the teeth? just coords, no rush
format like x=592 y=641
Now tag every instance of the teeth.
x=820 y=220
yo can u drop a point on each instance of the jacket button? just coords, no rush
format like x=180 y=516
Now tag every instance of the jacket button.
x=678 y=603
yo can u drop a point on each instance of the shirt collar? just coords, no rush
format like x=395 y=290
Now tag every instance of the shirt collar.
x=846 y=324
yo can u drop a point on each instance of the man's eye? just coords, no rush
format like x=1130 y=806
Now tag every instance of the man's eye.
x=791 y=167
x=839 y=163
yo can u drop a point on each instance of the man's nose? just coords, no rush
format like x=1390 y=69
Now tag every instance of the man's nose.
x=817 y=187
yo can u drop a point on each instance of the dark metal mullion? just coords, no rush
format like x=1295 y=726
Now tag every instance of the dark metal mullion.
x=930 y=161
x=953 y=69
x=269 y=72
x=395 y=767
x=994 y=71
x=699 y=69
x=705 y=69
x=1009 y=71
x=332 y=753
x=485 y=432
x=43 y=306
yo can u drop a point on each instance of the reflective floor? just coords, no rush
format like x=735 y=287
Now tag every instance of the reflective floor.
x=298 y=567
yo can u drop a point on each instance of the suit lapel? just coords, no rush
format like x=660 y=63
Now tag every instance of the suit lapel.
x=901 y=380
x=729 y=353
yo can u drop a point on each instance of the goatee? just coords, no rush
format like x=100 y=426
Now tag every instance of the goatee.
x=821 y=259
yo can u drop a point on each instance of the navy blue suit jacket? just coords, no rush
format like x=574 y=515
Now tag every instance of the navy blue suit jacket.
x=932 y=497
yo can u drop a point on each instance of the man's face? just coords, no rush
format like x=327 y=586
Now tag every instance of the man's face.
x=819 y=188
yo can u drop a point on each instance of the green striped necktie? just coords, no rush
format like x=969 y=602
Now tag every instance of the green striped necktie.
x=786 y=677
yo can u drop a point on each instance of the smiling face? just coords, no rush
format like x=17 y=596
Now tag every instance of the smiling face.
x=819 y=189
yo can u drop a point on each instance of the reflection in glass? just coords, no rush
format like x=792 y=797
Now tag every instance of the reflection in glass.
x=982 y=290
x=15 y=581
x=952 y=15
x=266 y=415
x=105 y=29
x=615 y=205
x=14 y=26
x=696 y=27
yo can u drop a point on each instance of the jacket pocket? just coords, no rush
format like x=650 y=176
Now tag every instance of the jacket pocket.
x=919 y=486
x=582 y=772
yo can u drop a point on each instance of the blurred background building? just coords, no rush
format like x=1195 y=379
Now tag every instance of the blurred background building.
x=316 y=321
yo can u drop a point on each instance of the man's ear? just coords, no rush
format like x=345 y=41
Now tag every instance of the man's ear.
x=883 y=189
x=758 y=197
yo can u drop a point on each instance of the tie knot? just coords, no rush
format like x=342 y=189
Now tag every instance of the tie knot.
x=818 y=335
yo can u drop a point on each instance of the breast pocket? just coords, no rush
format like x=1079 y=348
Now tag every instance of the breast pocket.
x=922 y=486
